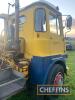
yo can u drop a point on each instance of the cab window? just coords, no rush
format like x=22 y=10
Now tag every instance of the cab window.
x=54 y=24
x=40 y=20
x=22 y=20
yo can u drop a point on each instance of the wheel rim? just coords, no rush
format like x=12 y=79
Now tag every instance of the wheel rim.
x=58 y=79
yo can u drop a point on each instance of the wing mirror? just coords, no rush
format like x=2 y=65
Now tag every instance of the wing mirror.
x=69 y=22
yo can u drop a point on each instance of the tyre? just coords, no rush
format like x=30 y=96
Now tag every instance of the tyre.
x=55 y=77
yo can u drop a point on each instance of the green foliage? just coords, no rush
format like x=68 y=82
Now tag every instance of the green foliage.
x=70 y=78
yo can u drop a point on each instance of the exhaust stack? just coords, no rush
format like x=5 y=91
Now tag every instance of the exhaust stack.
x=17 y=24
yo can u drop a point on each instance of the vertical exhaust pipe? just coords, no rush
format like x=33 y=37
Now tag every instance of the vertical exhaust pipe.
x=17 y=24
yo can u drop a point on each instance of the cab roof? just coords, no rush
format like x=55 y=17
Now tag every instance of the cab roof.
x=41 y=3
x=44 y=3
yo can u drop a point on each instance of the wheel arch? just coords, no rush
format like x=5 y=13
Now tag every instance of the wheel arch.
x=63 y=65
x=60 y=62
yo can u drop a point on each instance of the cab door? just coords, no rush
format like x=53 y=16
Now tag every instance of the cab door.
x=42 y=40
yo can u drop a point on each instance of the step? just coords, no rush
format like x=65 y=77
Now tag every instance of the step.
x=11 y=82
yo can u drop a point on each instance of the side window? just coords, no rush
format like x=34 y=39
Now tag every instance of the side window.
x=40 y=20
x=22 y=20
x=54 y=24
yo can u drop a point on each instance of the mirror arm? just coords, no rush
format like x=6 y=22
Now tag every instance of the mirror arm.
x=68 y=31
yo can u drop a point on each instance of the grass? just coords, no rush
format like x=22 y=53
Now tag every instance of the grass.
x=69 y=80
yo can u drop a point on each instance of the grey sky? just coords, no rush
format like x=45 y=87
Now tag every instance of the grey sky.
x=66 y=6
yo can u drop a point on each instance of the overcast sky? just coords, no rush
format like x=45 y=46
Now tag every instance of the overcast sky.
x=66 y=6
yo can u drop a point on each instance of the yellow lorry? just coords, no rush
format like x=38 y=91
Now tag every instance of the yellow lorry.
x=34 y=48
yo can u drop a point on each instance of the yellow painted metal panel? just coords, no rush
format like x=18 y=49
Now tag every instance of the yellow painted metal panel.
x=39 y=43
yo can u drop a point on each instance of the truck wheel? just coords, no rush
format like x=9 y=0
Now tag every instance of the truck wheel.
x=55 y=77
